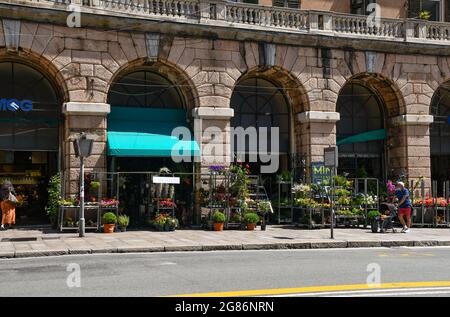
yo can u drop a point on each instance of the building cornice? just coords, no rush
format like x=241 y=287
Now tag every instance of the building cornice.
x=217 y=29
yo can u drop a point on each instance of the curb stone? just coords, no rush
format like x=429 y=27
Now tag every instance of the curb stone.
x=364 y=244
x=6 y=254
x=426 y=243
x=104 y=250
x=299 y=245
x=271 y=246
x=132 y=249
x=222 y=247
x=39 y=253
x=175 y=248
x=391 y=244
x=329 y=245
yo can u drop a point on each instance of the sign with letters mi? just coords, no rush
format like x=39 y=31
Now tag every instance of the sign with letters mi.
x=15 y=105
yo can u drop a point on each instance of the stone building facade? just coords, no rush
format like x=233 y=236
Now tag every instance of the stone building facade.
x=208 y=56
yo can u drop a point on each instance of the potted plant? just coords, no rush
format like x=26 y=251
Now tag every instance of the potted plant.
x=424 y=15
x=171 y=224
x=109 y=222
x=95 y=184
x=123 y=221
x=251 y=219
x=53 y=202
x=219 y=220
x=264 y=207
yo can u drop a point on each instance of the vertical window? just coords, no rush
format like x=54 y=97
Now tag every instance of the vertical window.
x=295 y=4
x=432 y=6
x=360 y=6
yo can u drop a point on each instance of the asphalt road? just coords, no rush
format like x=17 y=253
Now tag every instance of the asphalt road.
x=333 y=272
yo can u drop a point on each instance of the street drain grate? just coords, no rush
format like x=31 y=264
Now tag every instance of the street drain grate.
x=283 y=238
x=22 y=239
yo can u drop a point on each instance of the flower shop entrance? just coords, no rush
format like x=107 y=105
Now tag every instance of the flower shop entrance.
x=440 y=139
x=30 y=126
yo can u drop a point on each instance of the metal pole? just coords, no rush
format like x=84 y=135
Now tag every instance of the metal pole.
x=82 y=220
x=332 y=202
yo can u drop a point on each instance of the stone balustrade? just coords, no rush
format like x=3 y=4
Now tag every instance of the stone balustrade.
x=240 y=15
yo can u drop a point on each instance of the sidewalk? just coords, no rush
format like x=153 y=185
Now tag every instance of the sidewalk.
x=34 y=242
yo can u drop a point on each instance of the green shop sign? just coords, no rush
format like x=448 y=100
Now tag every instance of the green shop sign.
x=320 y=172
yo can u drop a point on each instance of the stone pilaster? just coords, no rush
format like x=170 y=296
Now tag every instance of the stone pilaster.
x=411 y=153
x=318 y=131
x=91 y=119
x=213 y=125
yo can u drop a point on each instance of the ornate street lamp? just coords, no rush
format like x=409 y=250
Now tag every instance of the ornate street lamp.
x=83 y=148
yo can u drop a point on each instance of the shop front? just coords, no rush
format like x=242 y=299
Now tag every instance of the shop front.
x=29 y=137
x=146 y=107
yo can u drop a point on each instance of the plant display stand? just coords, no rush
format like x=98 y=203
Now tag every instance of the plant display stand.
x=92 y=216
x=285 y=207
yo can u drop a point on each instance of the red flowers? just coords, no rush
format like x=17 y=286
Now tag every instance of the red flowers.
x=167 y=203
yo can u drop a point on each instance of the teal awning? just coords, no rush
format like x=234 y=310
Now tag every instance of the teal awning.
x=364 y=137
x=144 y=132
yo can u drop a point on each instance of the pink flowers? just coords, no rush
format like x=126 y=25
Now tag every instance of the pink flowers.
x=109 y=202
x=390 y=188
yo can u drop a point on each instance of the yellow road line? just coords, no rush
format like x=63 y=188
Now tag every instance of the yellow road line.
x=318 y=289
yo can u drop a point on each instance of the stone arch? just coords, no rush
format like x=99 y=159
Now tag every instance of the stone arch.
x=386 y=90
x=291 y=86
x=171 y=72
x=295 y=95
x=393 y=106
x=42 y=65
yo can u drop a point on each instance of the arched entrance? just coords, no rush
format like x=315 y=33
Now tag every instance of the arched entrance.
x=440 y=136
x=147 y=104
x=261 y=104
x=30 y=122
x=361 y=132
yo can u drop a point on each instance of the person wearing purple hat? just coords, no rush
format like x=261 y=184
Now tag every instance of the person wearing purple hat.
x=404 y=206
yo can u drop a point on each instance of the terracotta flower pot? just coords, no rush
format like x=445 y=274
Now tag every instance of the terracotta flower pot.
x=218 y=226
x=108 y=228
x=251 y=226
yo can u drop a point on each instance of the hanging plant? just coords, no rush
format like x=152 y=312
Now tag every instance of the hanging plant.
x=424 y=15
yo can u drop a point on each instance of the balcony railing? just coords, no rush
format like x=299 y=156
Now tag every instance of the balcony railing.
x=248 y=16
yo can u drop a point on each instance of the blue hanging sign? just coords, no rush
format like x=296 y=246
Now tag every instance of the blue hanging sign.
x=448 y=120
x=15 y=105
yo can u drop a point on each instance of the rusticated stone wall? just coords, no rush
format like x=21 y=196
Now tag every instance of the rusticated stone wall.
x=84 y=62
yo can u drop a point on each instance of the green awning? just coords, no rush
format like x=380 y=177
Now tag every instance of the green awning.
x=144 y=132
x=364 y=137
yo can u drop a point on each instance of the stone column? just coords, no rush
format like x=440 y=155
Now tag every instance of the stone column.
x=318 y=131
x=91 y=119
x=410 y=147
x=215 y=139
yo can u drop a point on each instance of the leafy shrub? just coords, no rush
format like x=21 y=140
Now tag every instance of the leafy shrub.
x=123 y=220
x=54 y=192
x=250 y=218
x=373 y=214
x=109 y=218
x=218 y=217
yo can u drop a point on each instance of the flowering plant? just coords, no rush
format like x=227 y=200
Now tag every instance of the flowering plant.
x=109 y=202
x=167 y=203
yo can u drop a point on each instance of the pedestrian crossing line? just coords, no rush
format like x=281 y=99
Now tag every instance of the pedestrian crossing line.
x=320 y=289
